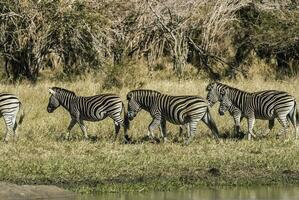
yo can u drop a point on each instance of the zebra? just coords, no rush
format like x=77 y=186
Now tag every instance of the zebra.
x=265 y=105
x=213 y=97
x=179 y=110
x=91 y=108
x=10 y=106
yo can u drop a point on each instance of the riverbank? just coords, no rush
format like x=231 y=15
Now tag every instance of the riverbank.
x=10 y=191
x=41 y=157
x=106 y=167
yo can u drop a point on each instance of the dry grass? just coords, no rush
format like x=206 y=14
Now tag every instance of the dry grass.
x=39 y=157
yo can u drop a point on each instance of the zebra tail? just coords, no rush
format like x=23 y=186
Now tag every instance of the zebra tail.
x=212 y=124
x=126 y=118
x=126 y=124
x=22 y=116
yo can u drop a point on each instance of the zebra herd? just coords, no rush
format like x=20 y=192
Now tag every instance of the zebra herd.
x=185 y=111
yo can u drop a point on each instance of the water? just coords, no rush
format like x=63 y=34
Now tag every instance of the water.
x=228 y=193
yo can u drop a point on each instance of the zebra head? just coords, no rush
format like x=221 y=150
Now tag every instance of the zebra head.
x=225 y=102
x=133 y=105
x=53 y=101
x=212 y=95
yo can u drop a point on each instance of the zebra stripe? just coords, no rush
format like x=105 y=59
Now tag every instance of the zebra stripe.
x=265 y=105
x=9 y=108
x=180 y=110
x=92 y=108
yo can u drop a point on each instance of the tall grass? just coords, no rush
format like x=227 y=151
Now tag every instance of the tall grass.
x=39 y=156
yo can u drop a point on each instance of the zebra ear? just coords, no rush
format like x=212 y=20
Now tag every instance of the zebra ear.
x=222 y=92
x=129 y=96
x=51 y=91
x=210 y=86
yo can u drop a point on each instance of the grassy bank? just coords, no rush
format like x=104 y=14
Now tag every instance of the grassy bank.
x=100 y=165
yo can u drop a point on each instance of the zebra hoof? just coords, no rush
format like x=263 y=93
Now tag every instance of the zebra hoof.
x=128 y=138
x=67 y=138
x=165 y=140
x=155 y=140
x=278 y=136
x=186 y=142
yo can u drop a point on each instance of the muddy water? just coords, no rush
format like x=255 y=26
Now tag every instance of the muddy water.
x=228 y=193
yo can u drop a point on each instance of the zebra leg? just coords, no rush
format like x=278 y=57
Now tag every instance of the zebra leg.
x=163 y=130
x=208 y=120
x=69 y=128
x=293 y=118
x=83 y=129
x=7 y=135
x=282 y=119
x=118 y=122
x=15 y=132
x=237 y=120
x=250 y=122
x=191 y=130
x=182 y=129
x=14 y=129
x=270 y=127
x=12 y=124
x=117 y=128
x=152 y=126
x=9 y=126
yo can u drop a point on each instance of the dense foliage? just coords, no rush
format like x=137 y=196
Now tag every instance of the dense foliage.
x=221 y=38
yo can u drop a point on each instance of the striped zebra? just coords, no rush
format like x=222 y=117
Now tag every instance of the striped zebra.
x=92 y=108
x=10 y=105
x=180 y=110
x=213 y=97
x=266 y=105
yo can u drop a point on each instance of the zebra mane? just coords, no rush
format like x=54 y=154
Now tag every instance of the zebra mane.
x=147 y=91
x=229 y=87
x=58 y=89
x=142 y=93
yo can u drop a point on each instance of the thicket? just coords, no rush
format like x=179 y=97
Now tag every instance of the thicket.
x=220 y=38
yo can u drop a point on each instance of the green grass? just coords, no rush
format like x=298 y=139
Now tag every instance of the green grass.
x=40 y=157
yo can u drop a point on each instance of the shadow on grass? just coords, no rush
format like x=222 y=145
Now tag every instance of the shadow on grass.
x=144 y=139
x=76 y=138
x=228 y=135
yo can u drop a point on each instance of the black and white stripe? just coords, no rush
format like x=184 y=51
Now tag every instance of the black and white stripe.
x=266 y=105
x=9 y=108
x=92 y=108
x=180 y=110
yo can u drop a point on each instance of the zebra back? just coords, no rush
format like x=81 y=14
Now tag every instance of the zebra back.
x=173 y=108
x=8 y=101
x=145 y=98
x=92 y=108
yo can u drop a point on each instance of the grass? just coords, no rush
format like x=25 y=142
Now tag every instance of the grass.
x=40 y=157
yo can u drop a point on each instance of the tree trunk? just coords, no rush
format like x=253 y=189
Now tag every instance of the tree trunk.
x=180 y=51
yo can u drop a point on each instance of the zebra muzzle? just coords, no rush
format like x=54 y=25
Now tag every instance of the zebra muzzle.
x=221 y=112
x=50 y=110
x=210 y=103
x=131 y=115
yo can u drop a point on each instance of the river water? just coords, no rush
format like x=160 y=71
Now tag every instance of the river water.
x=227 y=193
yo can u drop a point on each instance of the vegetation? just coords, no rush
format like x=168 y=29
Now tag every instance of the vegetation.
x=221 y=38
x=40 y=156
x=97 y=46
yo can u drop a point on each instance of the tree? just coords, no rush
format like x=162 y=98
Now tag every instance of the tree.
x=31 y=30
